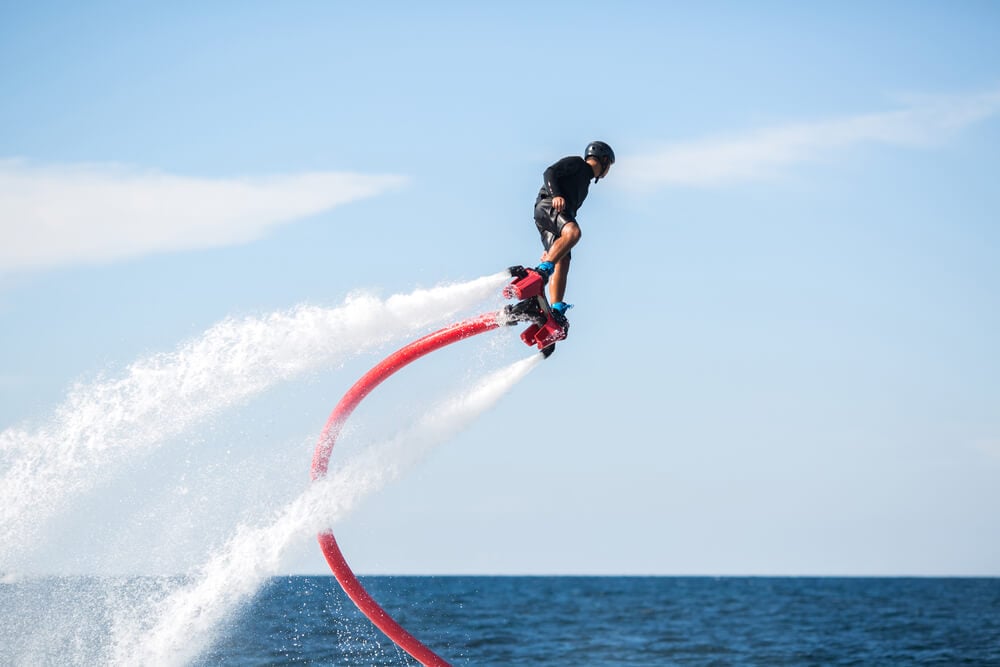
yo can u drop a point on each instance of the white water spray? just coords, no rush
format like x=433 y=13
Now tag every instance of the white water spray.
x=183 y=624
x=103 y=424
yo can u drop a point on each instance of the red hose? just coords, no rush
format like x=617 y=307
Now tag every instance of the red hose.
x=321 y=459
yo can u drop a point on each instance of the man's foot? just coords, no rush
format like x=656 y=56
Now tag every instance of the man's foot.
x=559 y=309
x=545 y=269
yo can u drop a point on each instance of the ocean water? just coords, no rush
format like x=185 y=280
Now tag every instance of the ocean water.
x=595 y=621
x=557 y=621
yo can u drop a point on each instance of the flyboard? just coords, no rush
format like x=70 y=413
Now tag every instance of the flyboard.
x=545 y=328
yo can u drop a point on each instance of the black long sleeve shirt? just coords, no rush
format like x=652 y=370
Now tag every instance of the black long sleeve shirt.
x=568 y=178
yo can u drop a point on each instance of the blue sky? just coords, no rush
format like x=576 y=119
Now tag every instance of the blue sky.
x=783 y=354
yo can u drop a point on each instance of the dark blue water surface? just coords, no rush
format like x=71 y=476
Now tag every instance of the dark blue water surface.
x=582 y=621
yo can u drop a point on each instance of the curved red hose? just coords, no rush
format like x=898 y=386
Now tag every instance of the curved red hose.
x=321 y=459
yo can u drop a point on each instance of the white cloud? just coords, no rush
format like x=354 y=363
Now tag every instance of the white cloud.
x=59 y=215
x=762 y=153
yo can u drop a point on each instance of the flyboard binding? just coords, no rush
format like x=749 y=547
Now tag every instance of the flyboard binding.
x=547 y=327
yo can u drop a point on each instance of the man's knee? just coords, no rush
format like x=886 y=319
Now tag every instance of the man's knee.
x=571 y=232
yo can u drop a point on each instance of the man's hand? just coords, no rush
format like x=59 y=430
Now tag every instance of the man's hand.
x=558 y=204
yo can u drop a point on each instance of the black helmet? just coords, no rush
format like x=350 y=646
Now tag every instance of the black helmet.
x=601 y=151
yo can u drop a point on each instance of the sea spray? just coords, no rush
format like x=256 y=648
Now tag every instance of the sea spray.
x=104 y=423
x=183 y=624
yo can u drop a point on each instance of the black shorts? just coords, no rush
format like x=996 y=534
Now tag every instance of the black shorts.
x=549 y=223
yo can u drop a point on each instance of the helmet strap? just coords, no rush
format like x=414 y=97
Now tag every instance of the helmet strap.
x=605 y=165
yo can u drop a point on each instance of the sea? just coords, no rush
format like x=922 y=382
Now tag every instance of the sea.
x=559 y=621
x=610 y=621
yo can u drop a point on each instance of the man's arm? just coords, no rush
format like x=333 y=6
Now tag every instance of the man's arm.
x=556 y=172
x=551 y=179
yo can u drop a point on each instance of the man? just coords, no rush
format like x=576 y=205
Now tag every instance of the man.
x=565 y=186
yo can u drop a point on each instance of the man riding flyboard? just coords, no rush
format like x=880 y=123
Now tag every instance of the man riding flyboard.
x=565 y=185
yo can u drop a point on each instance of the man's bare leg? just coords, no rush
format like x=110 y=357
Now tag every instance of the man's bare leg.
x=557 y=283
x=558 y=254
